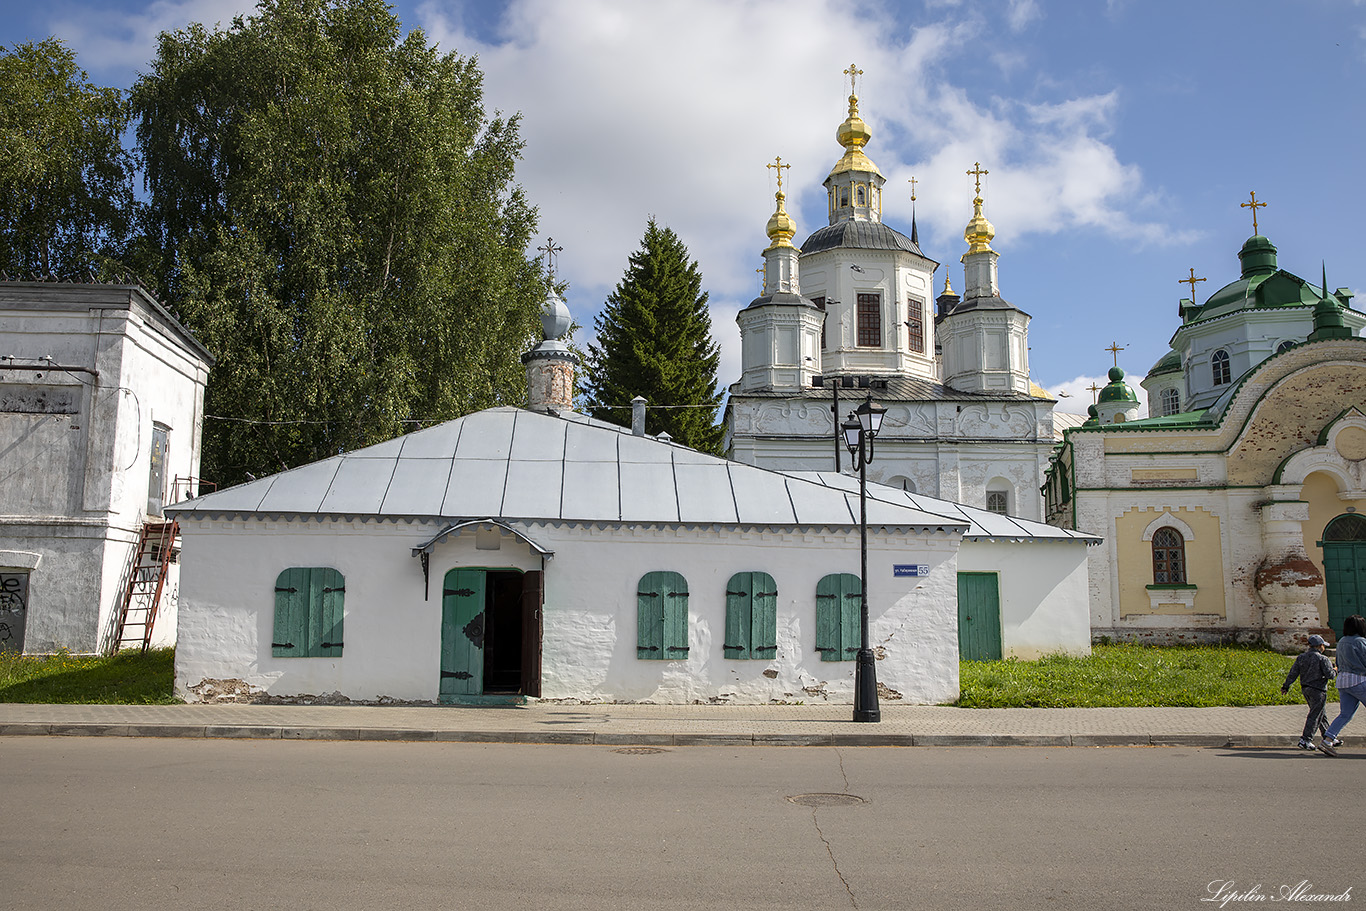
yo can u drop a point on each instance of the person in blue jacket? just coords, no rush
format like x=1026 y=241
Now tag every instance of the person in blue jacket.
x=1351 y=678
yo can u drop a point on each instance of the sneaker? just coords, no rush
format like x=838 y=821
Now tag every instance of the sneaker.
x=1305 y=745
x=1334 y=742
x=1327 y=748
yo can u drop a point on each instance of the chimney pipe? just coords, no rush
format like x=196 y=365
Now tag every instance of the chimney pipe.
x=638 y=416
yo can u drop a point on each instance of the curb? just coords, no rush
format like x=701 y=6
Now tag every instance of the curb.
x=590 y=738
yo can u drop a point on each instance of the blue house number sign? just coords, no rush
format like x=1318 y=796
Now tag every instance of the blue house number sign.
x=910 y=569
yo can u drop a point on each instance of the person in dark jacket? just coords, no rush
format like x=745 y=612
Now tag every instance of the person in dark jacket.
x=1314 y=670
x=1351 y=678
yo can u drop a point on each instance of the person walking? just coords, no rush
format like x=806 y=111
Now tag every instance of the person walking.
x=1314 y=670
x=1351 y=679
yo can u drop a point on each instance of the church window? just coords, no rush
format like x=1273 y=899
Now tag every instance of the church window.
x=838 y=598
x=309 y=604
x=1222 y=373
x=820 y=305
x=751 y=616
x=915 y=325
x=1347 y=527
x=1169 y=557
x=1285 y=346
x=862 y=196
x=869 y=320
x=1171 y=402
x=844 y=196
x=998 y=501
x=662 y=617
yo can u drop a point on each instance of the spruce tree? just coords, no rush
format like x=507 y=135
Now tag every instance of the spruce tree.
x=654 y=340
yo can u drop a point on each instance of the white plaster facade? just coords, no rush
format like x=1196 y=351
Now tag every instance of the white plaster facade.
x=90 y=376
x=595 y=509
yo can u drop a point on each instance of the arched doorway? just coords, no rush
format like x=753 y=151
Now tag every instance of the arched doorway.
x=1344 y=567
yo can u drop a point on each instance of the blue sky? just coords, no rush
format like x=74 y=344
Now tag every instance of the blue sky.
x=1121 y=137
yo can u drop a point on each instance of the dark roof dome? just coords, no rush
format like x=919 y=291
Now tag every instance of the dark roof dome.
x=1168 y=363
x=861 y=235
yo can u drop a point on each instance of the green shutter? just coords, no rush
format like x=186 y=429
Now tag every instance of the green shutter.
x=650 y=616
x=309 y=607
x=462 y=633
x=851 y=604
x=662 y=616
x=326 y=636
x=291 y=607
x=764 y=616
x=739 y=600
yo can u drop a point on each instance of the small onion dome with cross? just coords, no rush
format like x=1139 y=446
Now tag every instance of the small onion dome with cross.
x=1117 y=402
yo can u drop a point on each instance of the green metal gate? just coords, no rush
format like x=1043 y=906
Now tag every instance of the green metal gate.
x=979 y=617
x=462 y=633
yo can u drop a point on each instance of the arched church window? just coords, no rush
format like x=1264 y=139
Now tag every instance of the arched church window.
x=1169 y=557
x=1171 y=402
x=1349 y=527
x=862 y=196
x=915 y=325
x=1285 y=346
x=1222 y=372
x=998 y=501
x=844 y=197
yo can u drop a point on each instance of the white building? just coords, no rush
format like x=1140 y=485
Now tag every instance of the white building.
x=101 y=398
x=850 y=313
x=512 y=553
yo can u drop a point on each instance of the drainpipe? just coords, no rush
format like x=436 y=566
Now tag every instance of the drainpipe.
x=638 y=416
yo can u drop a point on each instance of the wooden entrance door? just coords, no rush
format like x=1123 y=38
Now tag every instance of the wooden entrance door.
x=1344 y=567
x=462 y=633
x=979 y=617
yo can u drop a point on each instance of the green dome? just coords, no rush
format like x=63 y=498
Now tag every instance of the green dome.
x=1168 y=363
x=1118 y=390
x=1258 y=256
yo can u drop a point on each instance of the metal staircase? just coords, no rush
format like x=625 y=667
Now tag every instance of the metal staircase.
x=146 y=578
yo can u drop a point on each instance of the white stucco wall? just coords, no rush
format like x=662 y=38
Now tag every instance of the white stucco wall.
x=1044 y=593
x=393 y=636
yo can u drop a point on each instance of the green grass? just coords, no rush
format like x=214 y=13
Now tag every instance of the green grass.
x=1132 y=675
x=129 y=677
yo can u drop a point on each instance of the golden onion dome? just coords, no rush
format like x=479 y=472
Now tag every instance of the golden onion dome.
x=979 y=231
x=854 y=134
x=781 y=228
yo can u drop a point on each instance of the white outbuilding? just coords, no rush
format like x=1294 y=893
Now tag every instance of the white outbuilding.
x=514 y=553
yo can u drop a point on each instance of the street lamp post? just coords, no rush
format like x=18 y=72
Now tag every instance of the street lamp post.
x=859 y=431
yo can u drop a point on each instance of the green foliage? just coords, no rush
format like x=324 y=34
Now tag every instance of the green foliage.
x=334 y=215
x=1131 y=675
x=654 y=340
x=66 y=185
x=129 y=678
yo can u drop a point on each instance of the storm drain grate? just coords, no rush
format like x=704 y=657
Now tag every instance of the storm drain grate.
x=639 y=751
x=826 y=800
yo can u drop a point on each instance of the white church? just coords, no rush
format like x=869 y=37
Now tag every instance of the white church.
x=849 y=313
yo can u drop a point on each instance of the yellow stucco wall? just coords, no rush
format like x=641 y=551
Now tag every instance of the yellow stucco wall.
x=1204 y=562
x=1320 y=490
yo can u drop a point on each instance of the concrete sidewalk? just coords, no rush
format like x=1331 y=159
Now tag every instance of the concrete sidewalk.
x=679 y=725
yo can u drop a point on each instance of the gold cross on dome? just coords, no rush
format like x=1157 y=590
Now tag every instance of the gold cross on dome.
x=912 y=183
x=978 y=171
x=1254 y=205
x=550 y=249
x=1115 y=348
x=1190 y=281
x=778 y=166
x=1094 y=389
x=853 y=73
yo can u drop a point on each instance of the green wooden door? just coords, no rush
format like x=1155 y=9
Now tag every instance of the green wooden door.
x=462 y=633
x=1344 y=567
x=751 y=616
x=839 y=597
x=979 y=617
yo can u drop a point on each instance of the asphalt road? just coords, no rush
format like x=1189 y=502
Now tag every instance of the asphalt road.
x=112 y=824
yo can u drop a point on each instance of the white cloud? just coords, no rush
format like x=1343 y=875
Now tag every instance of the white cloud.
x=1020 y=13
x=112 y=38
